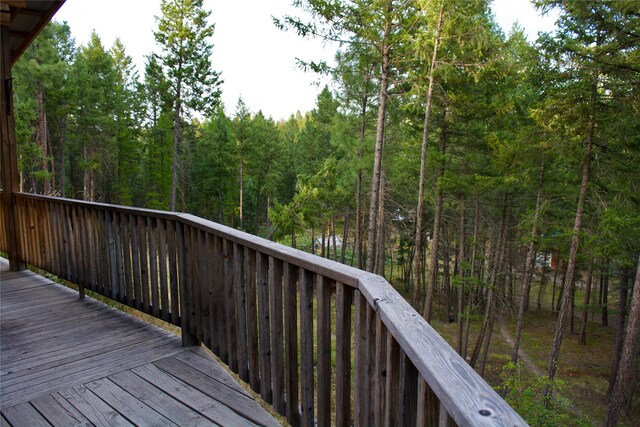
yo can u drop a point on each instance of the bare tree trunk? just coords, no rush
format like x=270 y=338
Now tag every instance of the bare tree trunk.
x=487 y=322
x=529 y=264
x=573 y=251
x=345 y=237
x=423 y=162
x=462 y=273
x=241 y=212
x=363 y=128
x=553 y=288
x=622 y=315
x=177 y=137
x=43 y=133
x=379 y=265
x=433 y=264
x=542 y=281
x=625 y=373
x=582 y=339
x=605 y=297
x=380 y=127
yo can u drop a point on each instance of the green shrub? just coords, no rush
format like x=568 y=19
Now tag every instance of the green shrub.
x=526 y=394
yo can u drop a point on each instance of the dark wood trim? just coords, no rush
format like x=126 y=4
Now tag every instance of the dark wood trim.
x=10 y=175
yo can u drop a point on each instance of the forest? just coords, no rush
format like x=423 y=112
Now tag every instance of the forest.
x=493 y=181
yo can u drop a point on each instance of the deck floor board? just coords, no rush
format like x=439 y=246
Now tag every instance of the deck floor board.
x=65 y=362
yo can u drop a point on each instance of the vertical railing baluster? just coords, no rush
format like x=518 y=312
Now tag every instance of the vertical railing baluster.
x=230 y=305
x=152 y=234
x=277 y=335
x=250 y=272
x=241 y=311
x=343 y=355
x=306 y=348
x=323 y=297
x=392 y=381
x=264 y=327
x=291 y=342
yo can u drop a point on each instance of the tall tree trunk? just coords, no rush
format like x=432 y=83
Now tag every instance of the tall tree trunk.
x=43 y=134
x=553 y=288
x=379 y=266
x=487 y=322
x=622 y=315
x=573 y=251
x=433 y=264
x=62 y=183
x=542 y=281
x=423 y=163
x=177 y=137
x=605 y=297
x=345 y=237
x=241 y=211
x=625 y=373
x=380 y=128
x=526 y=277
x=363 y=130
x=582 y=339
x=462 y=274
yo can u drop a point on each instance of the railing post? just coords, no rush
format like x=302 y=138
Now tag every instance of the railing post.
x=10 y=177
x=188 y=339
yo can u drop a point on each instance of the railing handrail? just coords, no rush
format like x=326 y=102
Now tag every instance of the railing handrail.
x=467 y=398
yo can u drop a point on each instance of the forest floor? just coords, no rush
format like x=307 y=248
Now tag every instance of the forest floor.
x=583 y=369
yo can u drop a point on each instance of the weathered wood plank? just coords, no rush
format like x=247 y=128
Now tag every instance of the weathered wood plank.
x=378 y=402
x=262 y=266
x=158 y=400
x=200 y=402
x=230 y=306
x=93 y=408
x=252 y=318
x=223 y=394
x=24 y=415
x=143 y=247
x=392 y=381
x=198 y=359
x=408 y=396
x=127 y=259
x=323 y=325
x=59 y=412
x=306 y=349
x=173 y=274
x=219 y=332
x=153 y=267
x=291 y=342
x=343 y=355
x=133 y=409
x=277 y=335
x=361 y=385
x=436 y=360
x=163 y=261
x=241 y=312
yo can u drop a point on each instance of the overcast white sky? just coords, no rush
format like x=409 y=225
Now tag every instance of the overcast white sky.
x=257 y=60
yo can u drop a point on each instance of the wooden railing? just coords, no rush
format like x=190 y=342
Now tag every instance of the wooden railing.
x=317 y=339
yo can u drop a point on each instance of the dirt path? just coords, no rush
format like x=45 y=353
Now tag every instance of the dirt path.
x=522 y=356
x=528 y=363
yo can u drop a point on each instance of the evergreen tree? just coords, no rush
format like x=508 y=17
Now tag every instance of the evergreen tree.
x=183 y=34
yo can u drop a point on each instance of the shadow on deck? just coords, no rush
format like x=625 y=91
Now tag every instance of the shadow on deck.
x=66 y=361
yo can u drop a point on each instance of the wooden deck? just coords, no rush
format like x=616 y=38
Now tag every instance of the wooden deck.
x=70 y=362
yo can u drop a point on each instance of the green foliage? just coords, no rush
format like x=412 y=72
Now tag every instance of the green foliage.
x=527 y=395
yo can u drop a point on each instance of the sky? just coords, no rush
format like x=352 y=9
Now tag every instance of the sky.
x=257 y=61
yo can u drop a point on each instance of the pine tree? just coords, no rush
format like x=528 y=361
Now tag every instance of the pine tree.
x=183 y=34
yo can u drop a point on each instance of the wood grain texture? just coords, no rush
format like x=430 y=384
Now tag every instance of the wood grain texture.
x=84 y=363
x=382 y=317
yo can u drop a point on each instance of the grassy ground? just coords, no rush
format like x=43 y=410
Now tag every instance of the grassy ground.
x=584 y=369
